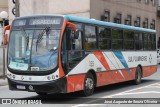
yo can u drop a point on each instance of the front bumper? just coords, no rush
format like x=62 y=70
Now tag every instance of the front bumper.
x=56 y=86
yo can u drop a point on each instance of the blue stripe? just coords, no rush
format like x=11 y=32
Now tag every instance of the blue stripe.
x=120 y=56
x=110 y=24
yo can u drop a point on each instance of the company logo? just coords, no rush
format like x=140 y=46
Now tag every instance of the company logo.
x=91 y=63
x=150 y=58
x=22 y=78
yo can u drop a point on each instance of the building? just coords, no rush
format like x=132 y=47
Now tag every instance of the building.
x=3 y=7
x=73 y=7
x=158 y=23
x=140 y=13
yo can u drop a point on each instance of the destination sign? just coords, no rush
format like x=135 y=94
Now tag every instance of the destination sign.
x=19 y=23
x=44 y=21
x=38 y=22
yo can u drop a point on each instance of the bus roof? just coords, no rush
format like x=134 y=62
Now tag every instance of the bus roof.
x=109 y=24
x=95 y=22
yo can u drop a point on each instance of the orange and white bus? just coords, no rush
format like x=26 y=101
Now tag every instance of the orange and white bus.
x=63 y=54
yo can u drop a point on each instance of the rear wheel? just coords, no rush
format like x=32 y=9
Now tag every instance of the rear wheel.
x=138 y=76
x=89 y=85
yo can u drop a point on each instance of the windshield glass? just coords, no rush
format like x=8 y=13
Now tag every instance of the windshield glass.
x=33 y=50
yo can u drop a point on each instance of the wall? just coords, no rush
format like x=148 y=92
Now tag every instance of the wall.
x=72 y=7
x=127 y=7
x=3 y=5
x=0 y=34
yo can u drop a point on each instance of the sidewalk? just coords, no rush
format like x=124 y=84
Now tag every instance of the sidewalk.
x=3 y=82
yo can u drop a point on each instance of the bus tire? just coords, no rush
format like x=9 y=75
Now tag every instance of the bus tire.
x=41 y=93
x=89 y=85
x=138 y=76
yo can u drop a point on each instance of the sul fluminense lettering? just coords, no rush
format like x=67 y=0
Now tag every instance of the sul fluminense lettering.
x=137 y=58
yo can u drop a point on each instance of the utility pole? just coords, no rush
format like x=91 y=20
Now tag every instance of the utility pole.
x=17 y=8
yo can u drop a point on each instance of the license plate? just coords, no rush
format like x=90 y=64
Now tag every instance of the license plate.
x=34 y=68
x=21 y=87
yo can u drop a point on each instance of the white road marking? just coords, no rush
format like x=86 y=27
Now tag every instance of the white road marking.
x=110 y=96
x=150 y=92
x=122 y=93
x=153 y=87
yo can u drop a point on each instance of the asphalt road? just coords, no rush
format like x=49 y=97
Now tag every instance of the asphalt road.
x=149 y=88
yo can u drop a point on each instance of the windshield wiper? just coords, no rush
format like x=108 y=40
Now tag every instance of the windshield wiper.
x=40 y=36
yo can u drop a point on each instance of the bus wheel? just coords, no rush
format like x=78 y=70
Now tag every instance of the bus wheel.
x=41 y=93
x=89 y=85
x=138 y=76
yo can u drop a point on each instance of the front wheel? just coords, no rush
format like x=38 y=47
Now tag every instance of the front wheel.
x=138 y=76
x=89 y=85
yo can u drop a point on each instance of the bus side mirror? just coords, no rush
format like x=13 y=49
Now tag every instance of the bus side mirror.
x=76 y=36
x=72 y=28
x=6 y=32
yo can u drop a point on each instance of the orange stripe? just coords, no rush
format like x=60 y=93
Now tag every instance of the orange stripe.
x=114 y=76
x=102 y=59
x=147 y=71
x=104 y=78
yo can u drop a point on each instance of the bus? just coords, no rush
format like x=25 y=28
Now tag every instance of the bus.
x=63 y=54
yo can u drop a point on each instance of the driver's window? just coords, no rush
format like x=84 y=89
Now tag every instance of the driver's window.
x=72 y=48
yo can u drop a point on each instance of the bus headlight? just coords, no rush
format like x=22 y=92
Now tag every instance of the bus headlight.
x=49 y=78
x=13 y=76
x=9 y=75
x=53 y=77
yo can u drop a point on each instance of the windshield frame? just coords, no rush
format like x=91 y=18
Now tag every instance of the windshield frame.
x=29 y=72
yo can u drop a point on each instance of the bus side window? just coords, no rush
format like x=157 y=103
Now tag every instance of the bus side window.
x=128 y=40
x=138 y=41
x=90 y=38
x=117 y=39
x=104 y=38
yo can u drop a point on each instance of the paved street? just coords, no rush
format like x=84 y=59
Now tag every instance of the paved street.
x=149 y=88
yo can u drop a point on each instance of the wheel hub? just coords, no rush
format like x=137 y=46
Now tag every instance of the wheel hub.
x=89 y=83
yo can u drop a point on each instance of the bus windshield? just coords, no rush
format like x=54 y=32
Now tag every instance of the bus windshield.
x=33 y=43
x=33 y=50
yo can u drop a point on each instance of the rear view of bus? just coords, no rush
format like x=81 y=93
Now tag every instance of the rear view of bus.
x=33 y=55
